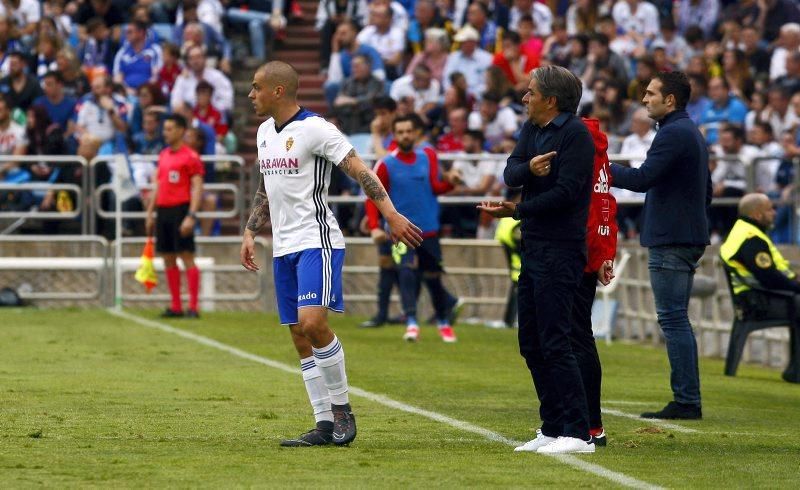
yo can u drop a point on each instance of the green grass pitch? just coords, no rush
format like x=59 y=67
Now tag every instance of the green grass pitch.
x=88 y=399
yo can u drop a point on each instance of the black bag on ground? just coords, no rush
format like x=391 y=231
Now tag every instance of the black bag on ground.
x=9 y=297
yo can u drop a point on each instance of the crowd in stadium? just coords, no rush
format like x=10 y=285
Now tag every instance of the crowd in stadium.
x=461 y=66
x=95 y=77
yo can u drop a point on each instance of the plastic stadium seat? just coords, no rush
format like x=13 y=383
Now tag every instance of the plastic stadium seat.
x=748 y=319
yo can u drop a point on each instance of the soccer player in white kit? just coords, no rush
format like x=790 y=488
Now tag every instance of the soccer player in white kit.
x=296 y=152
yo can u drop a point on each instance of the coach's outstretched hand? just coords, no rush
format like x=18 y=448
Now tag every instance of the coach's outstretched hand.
x=498 y=209
x=247 y=255
x=403 y=230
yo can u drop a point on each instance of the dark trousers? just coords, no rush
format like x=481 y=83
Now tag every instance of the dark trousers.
x=550 y=275
x=583 y=346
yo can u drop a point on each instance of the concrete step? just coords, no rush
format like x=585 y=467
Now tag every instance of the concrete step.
x=298 y=43
x=301 y=30
x=312 y=81
x=296 y=56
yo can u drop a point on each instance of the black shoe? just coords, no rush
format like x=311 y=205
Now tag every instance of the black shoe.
x=675 y=410
x=599 y=439
x=373 y=322
x=169 y=313
x=344 y=424
x=321 y=435
x=192 y=314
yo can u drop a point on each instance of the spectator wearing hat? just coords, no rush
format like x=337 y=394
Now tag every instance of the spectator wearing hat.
x=469 y=60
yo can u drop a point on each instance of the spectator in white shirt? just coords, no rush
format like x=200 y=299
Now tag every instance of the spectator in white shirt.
x=208 y=12
x=702 y=13
x=419 y=90
x=469 y=60
x=495 y=123
x=728 y=177
x=13 y=138
x=400 y=16
x=541 y=13
x=99 y=116
x=788 y=42
x=634 y=145
x=25 y=15
x=636 y=17
x=477 y=178
x=761 y=137
x=184 y=90
x=388 y=39
x=778 y=113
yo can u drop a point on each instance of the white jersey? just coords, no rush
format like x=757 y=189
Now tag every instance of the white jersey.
x=296 y=161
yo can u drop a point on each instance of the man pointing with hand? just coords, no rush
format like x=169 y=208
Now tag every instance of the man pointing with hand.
x=553 y=163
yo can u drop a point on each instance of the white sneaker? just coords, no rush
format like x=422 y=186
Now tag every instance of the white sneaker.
x=567 y=445
x=412 y=333
x=540 y=441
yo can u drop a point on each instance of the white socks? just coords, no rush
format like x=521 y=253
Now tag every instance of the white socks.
x=330 y=362
x=317 y=392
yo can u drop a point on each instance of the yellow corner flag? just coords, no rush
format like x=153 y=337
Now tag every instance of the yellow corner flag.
x=146 y=274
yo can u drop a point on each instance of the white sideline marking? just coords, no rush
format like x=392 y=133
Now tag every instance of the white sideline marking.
x=626 y=402
x=656 y=422
x=595 y=469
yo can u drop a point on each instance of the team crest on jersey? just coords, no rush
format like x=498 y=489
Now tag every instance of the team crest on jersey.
x=289 y=143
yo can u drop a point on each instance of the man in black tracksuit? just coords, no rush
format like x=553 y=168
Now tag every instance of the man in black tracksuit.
x=553 y=210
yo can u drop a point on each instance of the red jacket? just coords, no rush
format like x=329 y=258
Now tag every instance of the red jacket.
x=601 y=227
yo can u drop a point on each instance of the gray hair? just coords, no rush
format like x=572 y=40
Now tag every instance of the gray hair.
x=790 y=28
x=558 y=82
x=440 y=35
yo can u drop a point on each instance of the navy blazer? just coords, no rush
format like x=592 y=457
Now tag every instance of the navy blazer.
x=677 y=180
x=554 y=208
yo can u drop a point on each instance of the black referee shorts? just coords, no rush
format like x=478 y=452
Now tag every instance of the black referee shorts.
x=168 y=230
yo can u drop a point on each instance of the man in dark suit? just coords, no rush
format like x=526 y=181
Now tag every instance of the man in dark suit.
x=552 y=162
x=676 y=178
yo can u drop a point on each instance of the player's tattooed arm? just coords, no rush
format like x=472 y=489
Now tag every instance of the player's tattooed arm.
x=353 y=166
x=372 y=187
x=259 y=215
